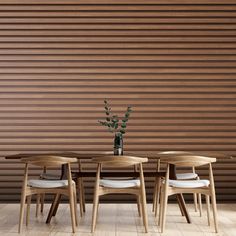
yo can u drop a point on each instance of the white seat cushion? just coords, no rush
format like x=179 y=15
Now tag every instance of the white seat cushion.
x=109 y=183
x=50 y=176
x=189 y=183
x=187 y=176
x=40 y=183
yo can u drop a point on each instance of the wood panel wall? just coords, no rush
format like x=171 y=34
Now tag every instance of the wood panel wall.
x=174 y=61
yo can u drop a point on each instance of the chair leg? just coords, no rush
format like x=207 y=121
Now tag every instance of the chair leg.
x=200 y=203
x=80 y=197
x=208 y=209
x=214 y=208
x=139 y=206
x=195 y=201
x=42 y=197
x=95 y=210
x=75 y=205
x=28 y=209
x=157 y=195
x=38 y=198
x=83 y=194
x=144 y=209
x=160 y=207
x=144 y=214
x=22 y=209
x=165 y=201
x=72 y=208
x=154 y=195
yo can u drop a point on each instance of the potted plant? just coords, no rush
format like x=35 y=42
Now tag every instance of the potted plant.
x=116 y=126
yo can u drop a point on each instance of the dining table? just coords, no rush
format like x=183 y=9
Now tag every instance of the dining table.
x=84 y=173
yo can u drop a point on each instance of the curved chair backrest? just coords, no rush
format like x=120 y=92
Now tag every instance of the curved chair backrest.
x=169 y=155
x=119 y=161
x=189 y=160
x=174 y=153
x=49 y=161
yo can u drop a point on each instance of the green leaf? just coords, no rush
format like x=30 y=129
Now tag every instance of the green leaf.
x=115 y=119
x=108 y=119
x=116 y=125
x=104 y=123
x=123 y=125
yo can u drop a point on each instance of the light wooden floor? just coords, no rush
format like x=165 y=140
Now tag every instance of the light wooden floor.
x=117 y=220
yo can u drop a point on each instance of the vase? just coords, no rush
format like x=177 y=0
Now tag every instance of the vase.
x=118 y=145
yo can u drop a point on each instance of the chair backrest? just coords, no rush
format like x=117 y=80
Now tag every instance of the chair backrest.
x=119 y=161
x=189 y=160
x=164 y=157
x=174 y=153
x=48 y=161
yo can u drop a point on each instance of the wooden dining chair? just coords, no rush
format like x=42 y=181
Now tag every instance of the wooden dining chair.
x=41 y=186
x=181 y=176
x=40 y=197
x=203 y=186
x=79 y=183
x=120 y=186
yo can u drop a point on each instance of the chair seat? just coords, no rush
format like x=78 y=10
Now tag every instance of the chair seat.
x=109 y=183
x=50 y=176
x=183 y=176
x=189 y=183
x=40 y=183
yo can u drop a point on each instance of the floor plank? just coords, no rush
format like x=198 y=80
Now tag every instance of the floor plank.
x=118 y=220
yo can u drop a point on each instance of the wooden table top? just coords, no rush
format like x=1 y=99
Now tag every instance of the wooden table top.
x=62 y=154
x=78 y=155
x=148 y=154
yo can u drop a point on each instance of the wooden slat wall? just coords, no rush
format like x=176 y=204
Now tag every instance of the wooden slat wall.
x=174 y=61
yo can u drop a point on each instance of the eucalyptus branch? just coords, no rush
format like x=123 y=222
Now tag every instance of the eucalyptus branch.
x=113 y=123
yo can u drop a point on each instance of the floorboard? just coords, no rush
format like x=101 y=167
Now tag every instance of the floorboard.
x=118 y=220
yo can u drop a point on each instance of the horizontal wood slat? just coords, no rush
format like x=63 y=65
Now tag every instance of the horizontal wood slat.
x=170 y=45
x=173 y=61
x=72 y=22
x=118 y=51
x=118 y=39
x=105 y=29
x=119 y=14
x=121 y=64
x=115 y=2
x=106 y=7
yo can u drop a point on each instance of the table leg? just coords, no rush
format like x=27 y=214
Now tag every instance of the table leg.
x=57 y=198
x=182 y=206
x=56 y=205
x=180 y=198
x=53 y=208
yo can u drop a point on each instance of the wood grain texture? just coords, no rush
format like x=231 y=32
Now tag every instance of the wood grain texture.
x=173 y=61
x=119 y=219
